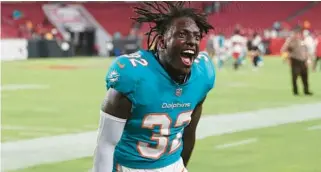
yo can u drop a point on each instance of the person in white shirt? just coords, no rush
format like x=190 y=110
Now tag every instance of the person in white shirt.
x=239 y=48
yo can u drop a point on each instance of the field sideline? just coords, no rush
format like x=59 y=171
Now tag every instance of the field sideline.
x=74 y=146
x=45 y=98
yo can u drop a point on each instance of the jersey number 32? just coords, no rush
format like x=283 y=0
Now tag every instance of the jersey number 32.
x=164 y=122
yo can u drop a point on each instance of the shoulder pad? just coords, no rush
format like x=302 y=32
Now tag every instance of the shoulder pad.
x=206 y=64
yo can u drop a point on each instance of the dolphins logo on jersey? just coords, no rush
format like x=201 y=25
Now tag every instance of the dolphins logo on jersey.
x=113 y=76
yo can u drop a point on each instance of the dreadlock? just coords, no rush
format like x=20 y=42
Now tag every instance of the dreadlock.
x=161 y=14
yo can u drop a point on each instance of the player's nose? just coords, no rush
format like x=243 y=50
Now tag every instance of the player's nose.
x=191 y=41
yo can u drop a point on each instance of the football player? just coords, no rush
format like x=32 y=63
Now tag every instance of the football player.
x=154 y=97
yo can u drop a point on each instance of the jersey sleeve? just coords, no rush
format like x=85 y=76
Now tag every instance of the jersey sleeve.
x=121 y=77
x=209 y=69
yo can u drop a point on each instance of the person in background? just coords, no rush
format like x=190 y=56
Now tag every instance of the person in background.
x=255 y=52
x=306 y=24
x=239 y=48
x=298 y=56
x=310 y=44
x=317 y=52
x=17 y=14
x=210 y=49
x=220 y=52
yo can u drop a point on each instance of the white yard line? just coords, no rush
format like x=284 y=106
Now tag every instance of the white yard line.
x=22 y=154
x=223 y=124
x=315 y=127
x=13 y=87
x=24 y=128
x=238 y=143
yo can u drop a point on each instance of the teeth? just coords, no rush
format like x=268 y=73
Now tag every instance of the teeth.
x=189 y=51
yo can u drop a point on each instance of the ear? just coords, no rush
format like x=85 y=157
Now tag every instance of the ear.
x=161 y=42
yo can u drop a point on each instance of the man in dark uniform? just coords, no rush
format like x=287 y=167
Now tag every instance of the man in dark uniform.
x=298 y=56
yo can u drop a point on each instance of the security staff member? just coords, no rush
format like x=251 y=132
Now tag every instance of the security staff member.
x=298 y=56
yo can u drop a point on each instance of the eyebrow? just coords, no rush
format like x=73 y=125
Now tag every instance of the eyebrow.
x=194 y=32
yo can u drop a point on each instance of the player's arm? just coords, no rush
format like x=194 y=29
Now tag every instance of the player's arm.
x=189 y=135
x=115 y=110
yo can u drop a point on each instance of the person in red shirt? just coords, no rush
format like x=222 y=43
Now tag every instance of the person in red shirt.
x=317 y=52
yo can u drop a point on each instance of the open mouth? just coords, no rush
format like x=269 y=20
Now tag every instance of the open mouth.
x=187 y=57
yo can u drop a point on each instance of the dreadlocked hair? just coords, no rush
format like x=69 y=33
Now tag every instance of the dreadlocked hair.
x=161 y=15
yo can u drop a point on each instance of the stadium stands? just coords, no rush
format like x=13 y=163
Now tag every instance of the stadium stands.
x=266 y=13
x=113 y=16
x=10 y=28
x=312 y=15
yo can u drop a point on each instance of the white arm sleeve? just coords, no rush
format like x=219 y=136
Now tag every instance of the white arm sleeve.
x=109 y=133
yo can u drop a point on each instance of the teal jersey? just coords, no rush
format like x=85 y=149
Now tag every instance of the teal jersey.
x=161 y=108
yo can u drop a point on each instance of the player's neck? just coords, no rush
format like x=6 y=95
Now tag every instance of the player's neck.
x=178 y=77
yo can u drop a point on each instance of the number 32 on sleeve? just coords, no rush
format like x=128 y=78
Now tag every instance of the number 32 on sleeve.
x=135 y=59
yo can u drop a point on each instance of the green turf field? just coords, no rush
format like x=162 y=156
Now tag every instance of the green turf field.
x=64 y=96
x=288 y=148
